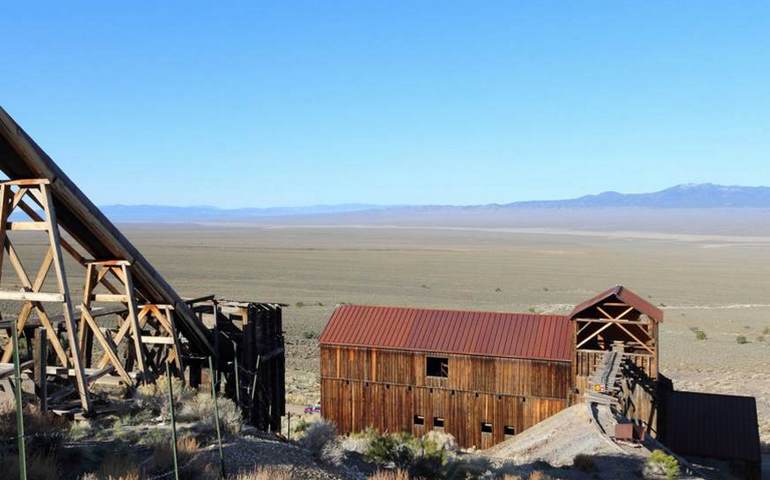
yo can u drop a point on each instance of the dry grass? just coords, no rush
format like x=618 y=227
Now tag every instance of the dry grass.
x=390 y=475
x=539 y=475
x=265 y=473
x=39 y=466
x=163 y=456
x=35 y=421
x=118 y=467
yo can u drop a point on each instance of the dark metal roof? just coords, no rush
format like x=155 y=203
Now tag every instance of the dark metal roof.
x=712 y=425
x=624 y=295
x=518 y=335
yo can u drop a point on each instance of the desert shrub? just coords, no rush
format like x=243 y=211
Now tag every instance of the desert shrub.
x=333 y=453
x=200 y=408
x=301 y=426
x=436 y=440
x=661 y=464
x=317 y=435
x=309 y=335
x=766 y=331
x=40 y=466
x=300 y=304
x=359 y=441
x=153 y=397
x=741 y=340
x=79 y=430
x=390 y=449
x=761 y=338
x=699 y=334
x=584 y=463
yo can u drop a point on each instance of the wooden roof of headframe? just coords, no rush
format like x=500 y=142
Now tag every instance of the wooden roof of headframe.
x=623 y=295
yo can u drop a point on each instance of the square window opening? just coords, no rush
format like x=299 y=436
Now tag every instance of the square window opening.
x=486 y=428
x=438 y=422
x=419 y=420
x=509 y=431
x=437 y=367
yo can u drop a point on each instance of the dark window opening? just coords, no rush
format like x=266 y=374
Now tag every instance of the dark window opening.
x=419 y=420
x=437 y=367
x=438 y=422
x=486 y=427
x=509 y=431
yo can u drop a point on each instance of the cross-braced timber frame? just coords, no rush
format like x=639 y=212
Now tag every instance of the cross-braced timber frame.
x=13 y=196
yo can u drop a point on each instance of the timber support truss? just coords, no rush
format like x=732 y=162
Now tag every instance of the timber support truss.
x=29 y=292
x=131 y=349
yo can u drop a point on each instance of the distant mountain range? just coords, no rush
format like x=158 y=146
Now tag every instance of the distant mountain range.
x=700 y=195
x=687 y=196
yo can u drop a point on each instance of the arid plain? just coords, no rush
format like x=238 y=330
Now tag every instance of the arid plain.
x=717 y=286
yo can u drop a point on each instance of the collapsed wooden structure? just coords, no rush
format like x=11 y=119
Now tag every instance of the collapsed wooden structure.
x=129 y=322
x=484 y=376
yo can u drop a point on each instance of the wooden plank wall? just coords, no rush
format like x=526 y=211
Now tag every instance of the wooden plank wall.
x=363 y=388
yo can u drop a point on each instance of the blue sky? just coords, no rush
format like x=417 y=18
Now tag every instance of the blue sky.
x=293 y=103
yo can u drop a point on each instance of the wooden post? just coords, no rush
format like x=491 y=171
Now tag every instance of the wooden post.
x=216 y=419
x=61 y=278
x=195 y=373
x=40 y=359
x=237 y=379
x=173 y=420
x=19 y=408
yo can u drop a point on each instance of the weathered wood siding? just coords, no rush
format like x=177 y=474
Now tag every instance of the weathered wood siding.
x=383 y=389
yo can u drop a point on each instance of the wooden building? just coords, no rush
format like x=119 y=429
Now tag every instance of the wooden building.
x=481 y=376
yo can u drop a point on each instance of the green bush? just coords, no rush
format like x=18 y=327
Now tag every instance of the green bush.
x=390 y=449
x=700 y=334
x=741 y=340
x=424 y=457
x=660 y=462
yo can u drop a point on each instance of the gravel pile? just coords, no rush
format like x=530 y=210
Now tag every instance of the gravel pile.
x=244 y=454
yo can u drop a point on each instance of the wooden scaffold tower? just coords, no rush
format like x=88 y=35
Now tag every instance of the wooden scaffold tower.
x=30 y=292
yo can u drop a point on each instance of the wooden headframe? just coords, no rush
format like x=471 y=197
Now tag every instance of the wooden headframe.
x=618 y=316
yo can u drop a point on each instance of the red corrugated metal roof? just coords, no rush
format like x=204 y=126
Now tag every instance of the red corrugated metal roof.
x=519 y=335
x=624 y=295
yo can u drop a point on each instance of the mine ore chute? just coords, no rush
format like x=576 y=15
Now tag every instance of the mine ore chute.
x=129 y=322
